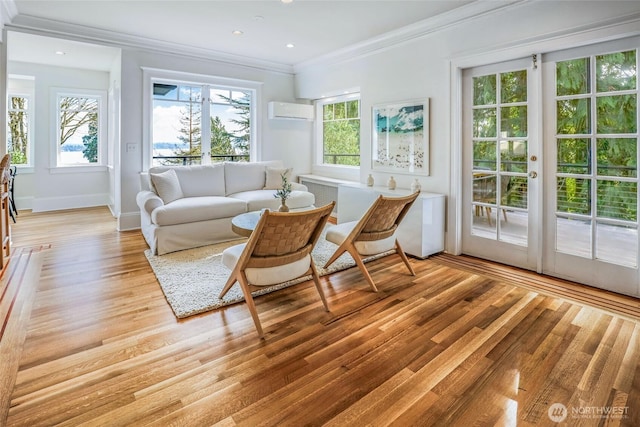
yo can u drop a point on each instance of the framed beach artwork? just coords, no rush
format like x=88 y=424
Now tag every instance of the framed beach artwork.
x=400 y=137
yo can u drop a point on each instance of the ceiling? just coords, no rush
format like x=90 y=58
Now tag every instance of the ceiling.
x=316 y=28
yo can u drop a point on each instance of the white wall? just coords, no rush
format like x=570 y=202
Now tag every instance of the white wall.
x=287 y=140
x=113 y=155
x=423 y=68
x=43 y=188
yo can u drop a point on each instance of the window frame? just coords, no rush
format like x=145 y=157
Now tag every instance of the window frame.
x=30 y=126
x=328 y=169
x=101 y=98
x=154 y=75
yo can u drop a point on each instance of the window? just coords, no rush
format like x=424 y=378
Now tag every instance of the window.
x=80 y=139
x=339 y=134
x=178 y=129
x=18 y=129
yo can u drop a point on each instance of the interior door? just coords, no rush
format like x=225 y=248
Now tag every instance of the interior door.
x=591 y=141
x=501 y=162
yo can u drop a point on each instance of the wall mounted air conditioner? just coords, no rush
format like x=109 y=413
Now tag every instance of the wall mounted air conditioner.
x=290 y=111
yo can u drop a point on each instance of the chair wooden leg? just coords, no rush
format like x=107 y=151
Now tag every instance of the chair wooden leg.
x=488 y=212
x=316 y=281
x=404 y=258
x=230 y=281
x=356 y=257
x=341 y=249
x=244 y=284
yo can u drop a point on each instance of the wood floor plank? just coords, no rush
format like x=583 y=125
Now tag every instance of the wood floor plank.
x=464 y=342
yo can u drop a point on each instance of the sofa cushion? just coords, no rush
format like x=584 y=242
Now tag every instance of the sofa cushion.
x=273 y=177
x=193 y=209
x=243 y=176
x=167 y=185
x=198 y=180
x=259 y=199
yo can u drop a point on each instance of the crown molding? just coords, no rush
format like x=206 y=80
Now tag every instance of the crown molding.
x=8 y=11
x=52 y=28
x=474 y=10
x=611 y=29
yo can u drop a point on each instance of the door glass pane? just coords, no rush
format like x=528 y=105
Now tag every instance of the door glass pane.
x=616 y=114
x=513 y=87
x=484 y=90
x=574 y=156
x=513 y=156
x=574 y=195
x=572 y=77
x=484 y=155
x=573 y=116
x=513 y=121
x=484 y=188
x=514 y=226
x=616 y=71
x=617 y=200
x=617 y=244
x=484 y=123
x=514 y=191
x=617 y=156
x=573 y=236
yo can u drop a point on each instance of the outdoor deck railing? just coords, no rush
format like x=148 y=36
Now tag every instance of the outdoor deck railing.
x=196 y=160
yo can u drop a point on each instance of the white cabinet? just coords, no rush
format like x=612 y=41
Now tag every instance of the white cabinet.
x=421 y=232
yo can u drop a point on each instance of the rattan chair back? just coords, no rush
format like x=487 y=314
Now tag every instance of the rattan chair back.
x=281 y=238
x=383 y=217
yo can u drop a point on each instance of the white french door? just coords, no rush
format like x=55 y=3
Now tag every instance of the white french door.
x=591 y=142
x=550 y=164
x=501 y=163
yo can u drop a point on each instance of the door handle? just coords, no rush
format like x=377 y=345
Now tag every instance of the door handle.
x=533 y=174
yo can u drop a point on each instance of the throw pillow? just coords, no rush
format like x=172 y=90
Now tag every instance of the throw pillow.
x=167 y=185
x=274 y=177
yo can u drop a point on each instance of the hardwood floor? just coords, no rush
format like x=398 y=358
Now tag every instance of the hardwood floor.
x=88 y=339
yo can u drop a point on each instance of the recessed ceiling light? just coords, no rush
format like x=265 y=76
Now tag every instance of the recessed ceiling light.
x=59 y=52
x=286 y=1
x=290 y=45
x=237 y=32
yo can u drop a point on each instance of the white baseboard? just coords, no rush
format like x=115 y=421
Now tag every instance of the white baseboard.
x=24 y=203
x=44 y=204
x=129 y=221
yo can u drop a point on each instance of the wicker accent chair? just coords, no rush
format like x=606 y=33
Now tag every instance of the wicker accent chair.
x=373 y=234
x=278 y=250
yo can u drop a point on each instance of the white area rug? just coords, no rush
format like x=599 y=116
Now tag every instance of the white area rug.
x=192 y=279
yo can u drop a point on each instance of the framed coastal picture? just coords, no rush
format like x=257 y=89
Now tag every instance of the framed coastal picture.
x=400 y=137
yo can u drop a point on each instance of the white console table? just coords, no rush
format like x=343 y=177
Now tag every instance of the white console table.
x=421 y=232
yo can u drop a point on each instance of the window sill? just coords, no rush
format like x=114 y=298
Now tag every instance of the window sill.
x=349 y=173
x=77 y=169
x=24 y=169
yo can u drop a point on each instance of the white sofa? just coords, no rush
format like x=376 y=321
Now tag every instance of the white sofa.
x=184 y=207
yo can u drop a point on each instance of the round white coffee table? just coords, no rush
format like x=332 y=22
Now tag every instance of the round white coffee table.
x=245 y=223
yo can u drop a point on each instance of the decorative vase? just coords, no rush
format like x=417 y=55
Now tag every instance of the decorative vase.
x=415 y=186
x=370 y=181
x=391 y=183
x=283 y=207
